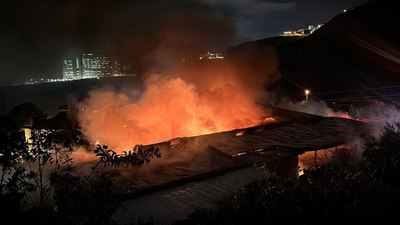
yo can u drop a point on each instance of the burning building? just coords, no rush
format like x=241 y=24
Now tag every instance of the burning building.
x=194 y=172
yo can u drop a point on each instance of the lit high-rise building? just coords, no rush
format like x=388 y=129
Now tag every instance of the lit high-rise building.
x=89 y=66
x=71 y=68
x=96 y=66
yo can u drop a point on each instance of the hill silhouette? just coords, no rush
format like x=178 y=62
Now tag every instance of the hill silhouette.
x=356 y=50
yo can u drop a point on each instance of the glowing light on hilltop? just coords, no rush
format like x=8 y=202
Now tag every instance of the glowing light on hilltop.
x=303 y=31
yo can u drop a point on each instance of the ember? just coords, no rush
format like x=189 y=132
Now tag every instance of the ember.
x=241 y=133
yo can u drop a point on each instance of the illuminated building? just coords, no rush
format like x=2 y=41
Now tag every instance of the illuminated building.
x=210 y=55
x=87 y=66
x=96 y=66
x=302 y=32
x=71 y=68
x=90 y=65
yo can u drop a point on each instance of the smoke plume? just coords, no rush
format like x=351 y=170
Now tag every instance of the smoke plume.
x=190 y=98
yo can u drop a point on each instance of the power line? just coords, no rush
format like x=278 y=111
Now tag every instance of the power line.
x=360 y=101
x=364 y=97
x=357 y=90
x=352 y=103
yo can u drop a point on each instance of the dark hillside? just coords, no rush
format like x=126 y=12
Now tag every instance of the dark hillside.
x=358 y=49
x=271 y=42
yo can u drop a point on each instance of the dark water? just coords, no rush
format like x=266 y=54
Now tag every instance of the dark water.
x=49 y=96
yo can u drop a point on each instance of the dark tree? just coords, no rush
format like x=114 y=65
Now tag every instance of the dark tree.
x=26 y=114
x=382 y=155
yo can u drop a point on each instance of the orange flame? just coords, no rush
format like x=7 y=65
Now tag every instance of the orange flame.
x=167 y=109
x=194 y=100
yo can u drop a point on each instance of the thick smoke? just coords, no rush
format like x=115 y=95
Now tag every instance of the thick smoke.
x=379 y=114
x=376 y=113
x=191 y=98
x=312 y=107
x=183 y=96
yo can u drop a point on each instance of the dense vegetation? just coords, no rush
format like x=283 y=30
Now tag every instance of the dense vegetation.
x=337 y=192
x=40 y=183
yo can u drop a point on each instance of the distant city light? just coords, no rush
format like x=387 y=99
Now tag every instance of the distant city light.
x=302 y=32
x=53 y=80
x=88 y=66
x=210 y=55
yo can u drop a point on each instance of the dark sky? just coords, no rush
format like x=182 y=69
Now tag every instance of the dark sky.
x=36 y=34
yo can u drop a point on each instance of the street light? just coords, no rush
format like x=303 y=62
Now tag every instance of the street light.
x=307 y=92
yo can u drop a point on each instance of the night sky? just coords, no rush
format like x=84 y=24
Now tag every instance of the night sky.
x=37 y=34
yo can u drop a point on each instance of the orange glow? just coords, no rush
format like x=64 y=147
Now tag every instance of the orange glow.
x=167 y=109
x=189 y=100
x=241 y=133
x=269 y=120
x=347 y=116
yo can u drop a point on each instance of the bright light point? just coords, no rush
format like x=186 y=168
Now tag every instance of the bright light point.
x=307 y=92
x=240 y=133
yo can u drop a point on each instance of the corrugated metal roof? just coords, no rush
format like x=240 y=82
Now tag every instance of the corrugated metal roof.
x=177 y=203
x=226 y=151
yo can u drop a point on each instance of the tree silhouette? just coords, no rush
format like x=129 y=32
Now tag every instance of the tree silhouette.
x=41 y=172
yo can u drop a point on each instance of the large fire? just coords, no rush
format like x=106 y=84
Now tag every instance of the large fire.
x=211 y=100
